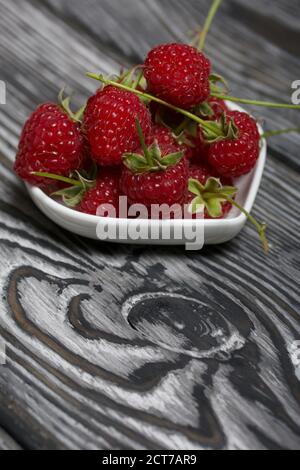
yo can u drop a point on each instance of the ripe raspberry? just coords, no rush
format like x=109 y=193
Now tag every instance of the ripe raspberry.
x=178 y=74
x=163 y=136
x=218 y=108
x=159 y=186
x=105 y=192
x=202 y=173
x=50 y=143
x=197 y=150
x=236 y=157
x=110 y=124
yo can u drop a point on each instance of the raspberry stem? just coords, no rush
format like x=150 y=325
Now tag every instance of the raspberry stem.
x=212 y=127
x=63 y=179
x=65 y=104
x=143 y=143
x=138 y=80
x=265 y=104
x=268 y=134
x=261 y=228
x=207 y=25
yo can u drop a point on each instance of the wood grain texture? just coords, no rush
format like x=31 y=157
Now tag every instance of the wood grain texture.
x=6 y=442
x=116 y=347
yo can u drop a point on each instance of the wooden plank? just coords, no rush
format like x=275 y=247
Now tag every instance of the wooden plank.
x=82 y=377
x=6 y=442
x=116 y=347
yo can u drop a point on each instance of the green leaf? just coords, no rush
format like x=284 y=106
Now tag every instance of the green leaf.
x=213 y=185
x=215 y=78
x=231 y=130
x=155 y=151
x=195 y=187
x=214 y=131
x=197 y=205
x=135 y=162
x=211 y=195
x=172 y=159
x=214 y=207
x=72 y=191
x=86 y=183
x=152 y=159
x=74 y=201
x=229 y=191
x=204 y=110
x=65 y=104
x=71 y=196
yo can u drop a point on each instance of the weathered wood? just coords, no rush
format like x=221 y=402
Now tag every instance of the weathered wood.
x=6 y=442
x=114 y=347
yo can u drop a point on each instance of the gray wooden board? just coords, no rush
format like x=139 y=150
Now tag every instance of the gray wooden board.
x=117 y=347
x=6 y=442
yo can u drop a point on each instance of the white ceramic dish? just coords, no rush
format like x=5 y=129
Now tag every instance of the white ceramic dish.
x=215 y=231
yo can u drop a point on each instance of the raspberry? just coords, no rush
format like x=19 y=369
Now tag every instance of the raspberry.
x=105 y=192
x=163 y=136
x=178 y=74
x=218 y=108
x=238 y=156
x=156 y=185
x=110 y=124
x=197 y=150
x=50 y=143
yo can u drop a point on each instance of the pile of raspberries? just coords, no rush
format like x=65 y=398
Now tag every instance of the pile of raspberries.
x=139 y=137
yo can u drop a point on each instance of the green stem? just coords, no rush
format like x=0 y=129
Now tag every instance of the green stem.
x=54 y=177
x=265 y=104
x=210 y=126
x=143 y=143
x=181 y=127
x=212 y=13
x=138 y=80
x=268 y=134
x=79 y=115
x=261 y=228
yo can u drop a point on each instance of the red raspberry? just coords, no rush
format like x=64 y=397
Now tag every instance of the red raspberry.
x=110 y=124
x=218 y=106
x=167 y=186
x=105 y=192
x=202 y=173
x=163 y=136
x=178 y=74
x=198 y=150
x=236 y=157
x=50 y=143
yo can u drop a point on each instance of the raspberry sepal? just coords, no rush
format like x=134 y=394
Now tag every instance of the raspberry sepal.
x=152 y=159
x=212 y=194
x=79 y=184
x=65 y=105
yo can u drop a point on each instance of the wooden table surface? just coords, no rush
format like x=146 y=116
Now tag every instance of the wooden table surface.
x=204 y=359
